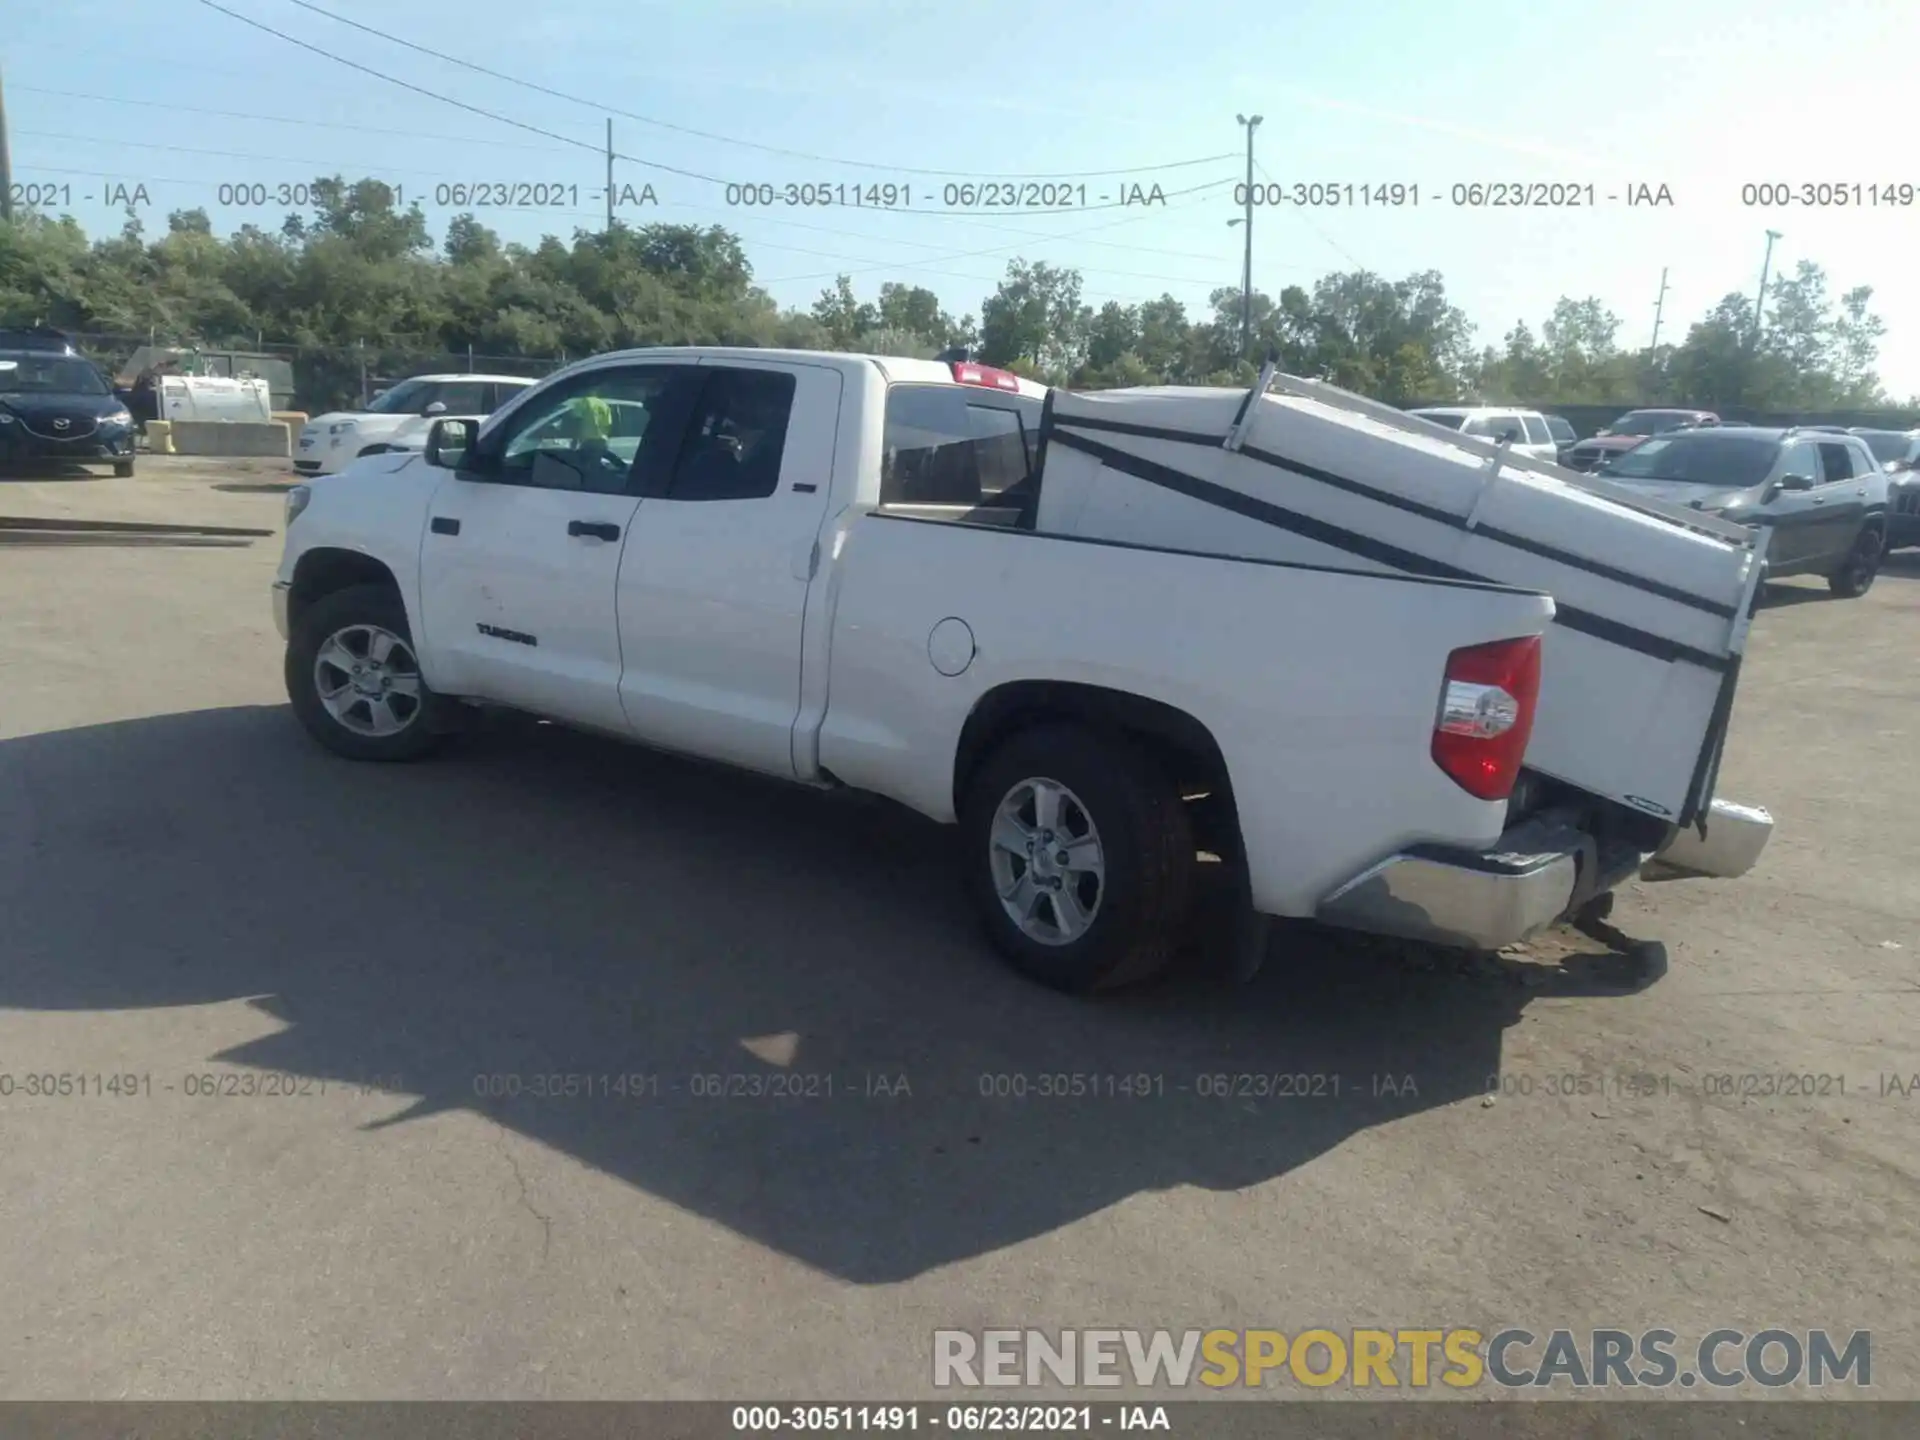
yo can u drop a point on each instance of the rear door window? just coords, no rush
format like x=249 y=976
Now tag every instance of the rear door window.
x=1836 y=461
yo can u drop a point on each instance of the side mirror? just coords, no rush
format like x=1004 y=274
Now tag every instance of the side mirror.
x=450 y=442
x=438 y=407
x=1796 y=482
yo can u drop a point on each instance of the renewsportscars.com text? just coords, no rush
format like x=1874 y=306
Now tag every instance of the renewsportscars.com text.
x=1457 y=1358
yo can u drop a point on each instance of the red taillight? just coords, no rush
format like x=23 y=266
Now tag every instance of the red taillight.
x=968 y=373
x=1487 y=704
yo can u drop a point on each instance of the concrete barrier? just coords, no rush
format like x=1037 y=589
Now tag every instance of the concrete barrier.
x=231 y=437
x=160 y=437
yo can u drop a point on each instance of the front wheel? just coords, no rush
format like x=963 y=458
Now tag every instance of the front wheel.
x=1855 y=575
x=1079 y=856
x=355 y=681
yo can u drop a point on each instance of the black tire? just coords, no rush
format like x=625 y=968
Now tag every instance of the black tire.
x=1855 y=575
x=1147 y=846
x=123 y=469
x=338 y=614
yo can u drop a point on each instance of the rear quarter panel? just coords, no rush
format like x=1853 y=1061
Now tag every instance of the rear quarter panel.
x=1320 y=687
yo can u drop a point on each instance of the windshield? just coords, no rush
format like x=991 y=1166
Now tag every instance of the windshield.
x=409 y=397
x=31 y=372
x=1731 y=462
x=1441 y=417
x=1648 y=422
x=1887 y=444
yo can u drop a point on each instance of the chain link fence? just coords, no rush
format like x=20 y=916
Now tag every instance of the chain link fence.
x=313 y=378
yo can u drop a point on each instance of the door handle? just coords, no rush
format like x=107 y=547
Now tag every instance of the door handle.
x=1819 y=499
x=594 y=528
x=444 y=525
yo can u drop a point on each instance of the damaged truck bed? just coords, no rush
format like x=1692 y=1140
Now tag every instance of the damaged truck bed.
x=1652 y=605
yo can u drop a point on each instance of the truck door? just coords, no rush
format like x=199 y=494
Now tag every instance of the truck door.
x=713 y=589
x=521 y=551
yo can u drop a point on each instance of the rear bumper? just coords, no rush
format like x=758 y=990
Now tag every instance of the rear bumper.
x=1736 y=834
x=280 y=589
x=1538 y=872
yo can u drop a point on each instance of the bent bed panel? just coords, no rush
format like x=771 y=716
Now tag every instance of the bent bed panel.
x=1631 y=676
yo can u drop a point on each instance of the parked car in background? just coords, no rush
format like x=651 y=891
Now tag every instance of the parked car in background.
x=1630 y=429
x=1898 y=452
x=1824 y=495
x=398 y=419
x=1526 y=430
x=57 y=407
x=1564 y=438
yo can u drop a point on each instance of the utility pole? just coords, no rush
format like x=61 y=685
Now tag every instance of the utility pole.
x=609 y=175
x=1760 y=304
x=1246 y=268
x=6 y=164
x=1659 y=304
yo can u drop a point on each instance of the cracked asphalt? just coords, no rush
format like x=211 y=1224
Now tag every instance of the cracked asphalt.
x=458 y=1080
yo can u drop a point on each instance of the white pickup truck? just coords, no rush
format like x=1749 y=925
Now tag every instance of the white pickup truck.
x=839 y=570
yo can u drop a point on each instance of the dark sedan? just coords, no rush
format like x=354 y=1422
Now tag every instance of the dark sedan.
x=1629 y=430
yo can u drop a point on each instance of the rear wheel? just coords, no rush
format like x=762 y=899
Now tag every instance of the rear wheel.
x=355 y=681
x=1079 y=857
x=1855 y=575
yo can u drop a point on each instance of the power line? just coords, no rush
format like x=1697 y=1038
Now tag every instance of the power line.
x=288 y=120
x=1351 y=257
x=582 y=144
x=448 y=99
x=746 y=144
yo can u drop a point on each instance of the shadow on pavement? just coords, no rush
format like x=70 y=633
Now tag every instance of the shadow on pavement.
x=1776 y=595
x=37 y=472
x=545 y=903
x=111 y=537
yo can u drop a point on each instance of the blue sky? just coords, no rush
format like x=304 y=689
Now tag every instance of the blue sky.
x=1702 y=96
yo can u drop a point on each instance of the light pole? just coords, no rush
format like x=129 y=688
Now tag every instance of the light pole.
x=1251 y=123
x=1760 y=304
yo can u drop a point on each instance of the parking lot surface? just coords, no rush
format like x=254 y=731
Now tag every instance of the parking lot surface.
x=339 y=990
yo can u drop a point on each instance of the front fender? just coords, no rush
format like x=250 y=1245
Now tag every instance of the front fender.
x=377 y=509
